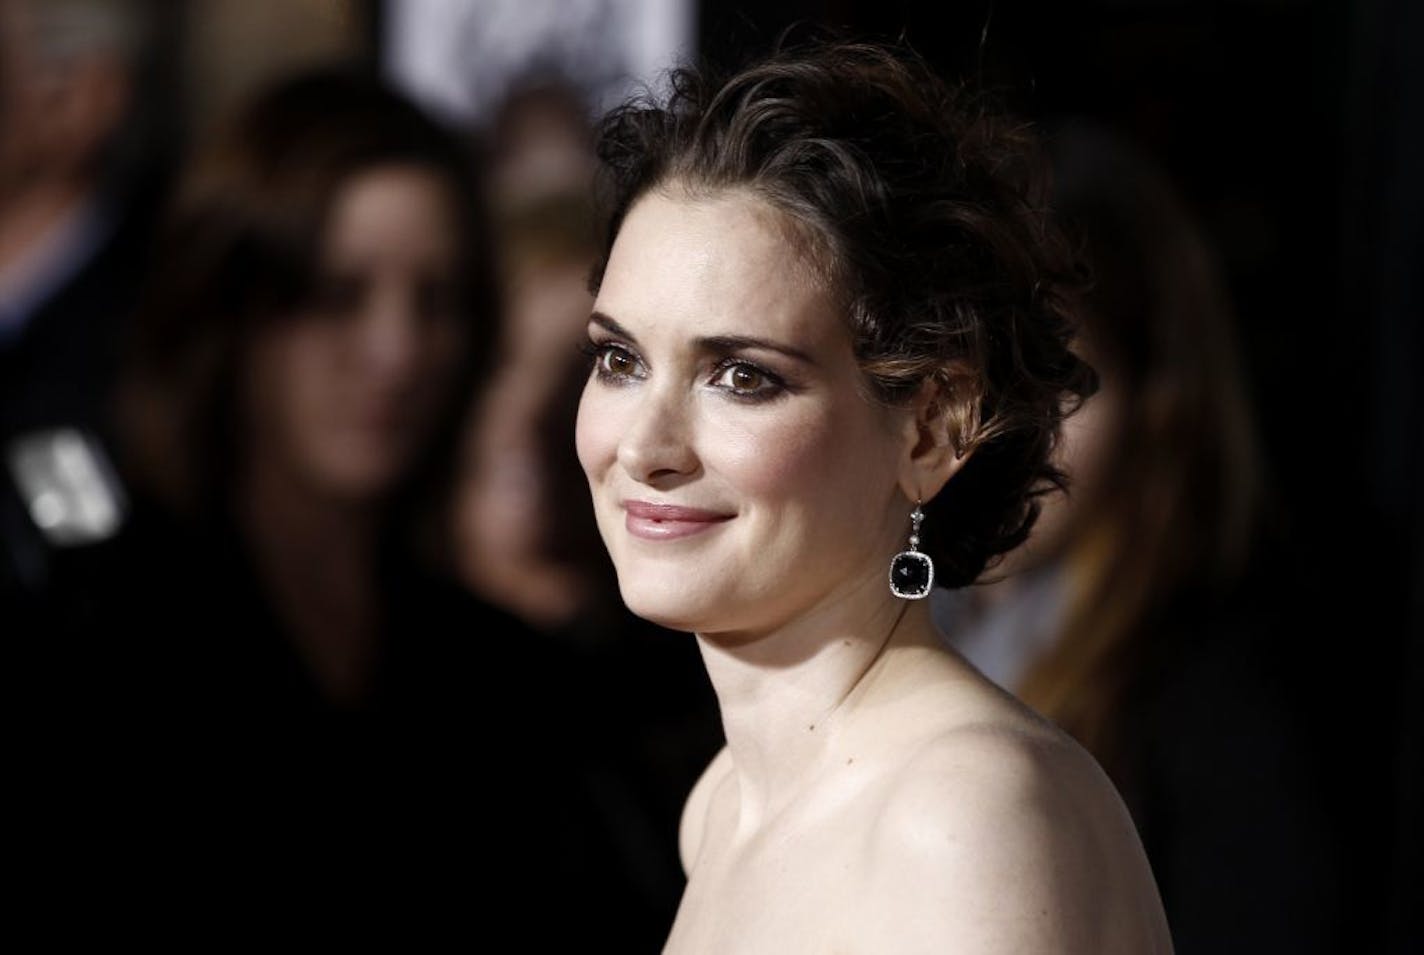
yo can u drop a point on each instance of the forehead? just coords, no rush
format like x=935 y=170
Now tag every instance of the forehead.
x=400 y=206
x=727 y=262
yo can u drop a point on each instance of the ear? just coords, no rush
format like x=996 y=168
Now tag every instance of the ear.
x=939 y=426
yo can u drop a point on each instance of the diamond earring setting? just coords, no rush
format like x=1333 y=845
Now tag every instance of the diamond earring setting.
x=911 y=572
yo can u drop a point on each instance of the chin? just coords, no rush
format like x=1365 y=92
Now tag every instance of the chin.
x=661 y=609
x=669 y=605
x=354 y=478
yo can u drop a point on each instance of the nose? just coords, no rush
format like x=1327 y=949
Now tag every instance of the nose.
x=391 y=339
x=656 y=446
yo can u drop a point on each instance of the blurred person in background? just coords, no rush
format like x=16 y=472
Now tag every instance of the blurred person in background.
x=290 y=679
x=524 y=538
x=77 y=195
x=296 y=375
x=1141 y=614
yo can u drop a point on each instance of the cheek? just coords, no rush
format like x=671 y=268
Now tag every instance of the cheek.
x=1088 y=435
x=595 y=432
x=288 y=372
x=770 y=453
x=296 y=398
x=814 y=453
x=809 y=481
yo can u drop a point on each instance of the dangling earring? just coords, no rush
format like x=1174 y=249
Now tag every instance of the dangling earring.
x=911 y=572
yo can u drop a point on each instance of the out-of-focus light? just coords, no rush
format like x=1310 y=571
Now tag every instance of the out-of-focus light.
x=68 y=486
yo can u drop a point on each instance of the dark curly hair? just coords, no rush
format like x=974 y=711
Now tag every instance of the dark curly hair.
x=924 y=208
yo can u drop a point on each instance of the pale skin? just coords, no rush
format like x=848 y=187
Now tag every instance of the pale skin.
x=876 y=794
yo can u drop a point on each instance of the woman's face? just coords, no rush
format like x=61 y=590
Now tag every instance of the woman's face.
x=516 y=523
x=1090 y=436
x=793 y=474
x=344 y=394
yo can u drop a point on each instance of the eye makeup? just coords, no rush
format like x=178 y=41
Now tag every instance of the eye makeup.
x=773 y=385
x=603 y=354
x=599 y=355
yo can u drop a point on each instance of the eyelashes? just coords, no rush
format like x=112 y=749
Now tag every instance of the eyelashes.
x=602 y=354
x=612 y=363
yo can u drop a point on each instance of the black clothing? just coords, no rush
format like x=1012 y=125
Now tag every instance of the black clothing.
x=59 y=372
x=469 y=792
x=1219 y=769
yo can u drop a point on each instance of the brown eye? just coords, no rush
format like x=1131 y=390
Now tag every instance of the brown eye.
x=746 y=379
x=611 y=363
x=618 y=362
x=742 y=379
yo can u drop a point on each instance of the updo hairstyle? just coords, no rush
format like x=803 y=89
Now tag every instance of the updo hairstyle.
x=922 y=207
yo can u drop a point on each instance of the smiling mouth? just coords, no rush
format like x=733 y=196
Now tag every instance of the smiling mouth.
x=664 y=520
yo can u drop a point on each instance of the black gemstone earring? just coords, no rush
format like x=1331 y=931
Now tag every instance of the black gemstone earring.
x=911 y=572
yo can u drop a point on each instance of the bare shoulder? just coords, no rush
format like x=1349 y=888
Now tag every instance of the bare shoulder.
x=694 y=810
x=1006 y=836
x=992 y=763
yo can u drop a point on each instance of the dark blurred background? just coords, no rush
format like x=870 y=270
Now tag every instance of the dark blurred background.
x=1291 y=131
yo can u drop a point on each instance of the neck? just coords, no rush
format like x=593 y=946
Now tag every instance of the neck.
x=316 y=560
x=288 y=522
x=790 y=698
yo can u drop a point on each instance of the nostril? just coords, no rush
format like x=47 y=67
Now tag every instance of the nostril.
x=649 y=465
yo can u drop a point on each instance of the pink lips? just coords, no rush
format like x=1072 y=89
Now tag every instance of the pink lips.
x=666 y=521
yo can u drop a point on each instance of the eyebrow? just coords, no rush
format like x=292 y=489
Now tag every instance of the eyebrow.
x=718 y=344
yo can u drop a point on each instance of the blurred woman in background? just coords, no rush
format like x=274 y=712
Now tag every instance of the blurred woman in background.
x=305 y=668
x=1142 y=614
x=300 y=367
x=524 y=537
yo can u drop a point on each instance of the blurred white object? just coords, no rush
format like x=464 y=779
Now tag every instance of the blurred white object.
x=68 y=486
x=461 y=59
